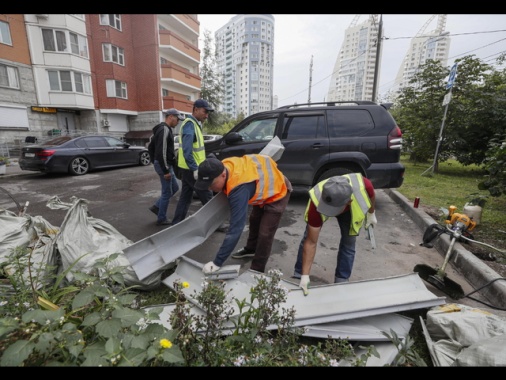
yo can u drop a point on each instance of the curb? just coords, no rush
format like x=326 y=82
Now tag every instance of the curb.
x=472 y=268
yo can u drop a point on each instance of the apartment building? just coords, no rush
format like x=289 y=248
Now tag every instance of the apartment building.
x=353 y=75
x=245 y=62
x=425 y=45
x=95 y=73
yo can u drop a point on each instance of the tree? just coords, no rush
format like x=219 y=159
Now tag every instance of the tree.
x=211 y=87
x=469 y=122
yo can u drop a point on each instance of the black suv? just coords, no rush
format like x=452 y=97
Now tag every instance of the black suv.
x=322 y=140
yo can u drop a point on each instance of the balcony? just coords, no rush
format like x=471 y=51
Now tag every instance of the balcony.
x=177 y=77
x=173 y=45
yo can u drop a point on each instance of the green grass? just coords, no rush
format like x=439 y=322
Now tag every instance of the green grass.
x=455 y=184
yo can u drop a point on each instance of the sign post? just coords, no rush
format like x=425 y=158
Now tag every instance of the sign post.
x=446 y=101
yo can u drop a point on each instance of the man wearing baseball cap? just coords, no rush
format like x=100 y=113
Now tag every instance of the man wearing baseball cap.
x=350 y=198
x=190 y=154
x=161 y=150
x=252 y=179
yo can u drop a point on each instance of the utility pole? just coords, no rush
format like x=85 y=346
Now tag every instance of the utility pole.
x=376 y=66
x=310 y=79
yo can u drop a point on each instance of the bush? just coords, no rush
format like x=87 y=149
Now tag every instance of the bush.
x=97 y=321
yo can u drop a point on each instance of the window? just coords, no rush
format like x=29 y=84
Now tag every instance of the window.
x=165 y=92
x=116 y=89
x=78 y=45
x=340 y=122
x=57 y=40
x=54 y=40
x=69 y=81
x=259 y=130
x=303 y=127
x=5 y=33
x=113 y=20
x=9 y=76
x=113 y=54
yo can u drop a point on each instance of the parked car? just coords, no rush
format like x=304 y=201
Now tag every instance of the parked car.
x=80 y=155
x=322 y=140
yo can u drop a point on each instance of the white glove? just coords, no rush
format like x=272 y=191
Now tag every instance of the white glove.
x=210 y=267
x=304 y=283
x=196 y=175
x=370 y=219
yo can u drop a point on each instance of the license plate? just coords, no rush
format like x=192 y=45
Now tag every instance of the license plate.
x=29 y=154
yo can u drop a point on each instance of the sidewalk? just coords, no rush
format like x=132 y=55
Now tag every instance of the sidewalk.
x=13 y=169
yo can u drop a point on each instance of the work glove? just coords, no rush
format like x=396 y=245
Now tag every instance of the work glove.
x=210 y=267
x=196 y=175
x=304 y=283
x=370 y=219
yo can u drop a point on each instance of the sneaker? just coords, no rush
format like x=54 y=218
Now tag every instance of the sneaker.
x=154 y=210
x=163 y=223
x=296 y=275
x=242 y=253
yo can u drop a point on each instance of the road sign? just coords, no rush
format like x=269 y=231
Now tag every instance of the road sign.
x=447 y=99
x=451 y=77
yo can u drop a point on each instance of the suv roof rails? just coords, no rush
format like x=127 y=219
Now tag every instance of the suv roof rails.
x=330 y=104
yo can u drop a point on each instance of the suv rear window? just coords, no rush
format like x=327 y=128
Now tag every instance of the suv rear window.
x=344 y=122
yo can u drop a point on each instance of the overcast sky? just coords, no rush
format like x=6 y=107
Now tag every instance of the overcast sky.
x=298 y=37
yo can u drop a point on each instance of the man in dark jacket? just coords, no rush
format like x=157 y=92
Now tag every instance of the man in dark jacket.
x=161 y=150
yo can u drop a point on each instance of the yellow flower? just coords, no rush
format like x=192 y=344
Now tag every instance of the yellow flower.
x=185 y=284
x=165 y=343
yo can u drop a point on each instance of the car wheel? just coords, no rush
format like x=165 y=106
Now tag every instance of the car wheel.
x=144 y=159
x=79 y=166
x=334 y=172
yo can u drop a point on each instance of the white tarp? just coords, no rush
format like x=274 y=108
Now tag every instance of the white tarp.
x=462 y=336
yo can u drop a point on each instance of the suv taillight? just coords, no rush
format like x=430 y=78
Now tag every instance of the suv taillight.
x=395 y=138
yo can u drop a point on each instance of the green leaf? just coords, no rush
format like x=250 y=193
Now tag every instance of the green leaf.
x=127 y=316
x=133 y=357
x=16 y=353
x=43 y=316
x=92 y=319
x=140 y=341
x=113 y=346
x=7 y=325
x=173 y=355
x=109 y=328
x=127 y=299
x=83 y=298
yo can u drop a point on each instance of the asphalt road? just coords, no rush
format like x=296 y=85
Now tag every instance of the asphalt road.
x=122 y=197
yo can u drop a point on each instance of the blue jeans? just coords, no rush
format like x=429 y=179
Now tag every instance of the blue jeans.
x=169 y=188
x=345 y=253
x=186 y=196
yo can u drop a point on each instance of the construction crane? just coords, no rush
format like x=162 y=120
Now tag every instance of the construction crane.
x=310 y=79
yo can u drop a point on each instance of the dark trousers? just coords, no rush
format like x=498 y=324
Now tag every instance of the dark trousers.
x=263 y=224
x=186 y=196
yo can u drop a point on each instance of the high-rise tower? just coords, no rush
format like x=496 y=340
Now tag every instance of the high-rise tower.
x=353 y=75
x=424 y=46
x=245 y=60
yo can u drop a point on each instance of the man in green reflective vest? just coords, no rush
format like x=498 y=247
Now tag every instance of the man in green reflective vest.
x=190 y=155
x=350 y=198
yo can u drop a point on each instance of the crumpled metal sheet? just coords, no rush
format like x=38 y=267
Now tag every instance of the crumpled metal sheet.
x=153 y=253
x=325 y=303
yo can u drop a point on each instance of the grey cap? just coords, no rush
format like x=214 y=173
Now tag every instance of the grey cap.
x=173 y=111
x=334 y=197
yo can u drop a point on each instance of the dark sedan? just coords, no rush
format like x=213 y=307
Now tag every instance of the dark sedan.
x=80 y=155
